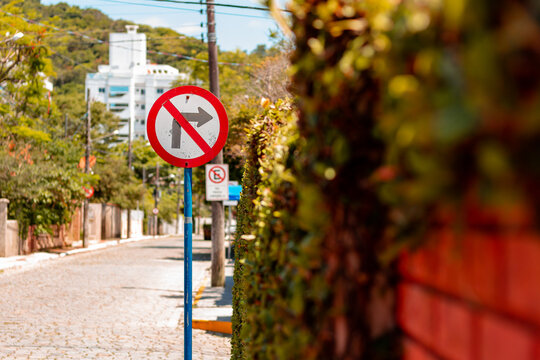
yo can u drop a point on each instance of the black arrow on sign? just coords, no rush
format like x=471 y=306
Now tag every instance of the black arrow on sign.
x=201 y=117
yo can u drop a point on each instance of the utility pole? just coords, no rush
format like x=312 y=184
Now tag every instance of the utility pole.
x=156 y=195
x=65 y=125
x=87 y=166
x=129 y=145
x=129 y=167
x=144 y=187
x=218 y=212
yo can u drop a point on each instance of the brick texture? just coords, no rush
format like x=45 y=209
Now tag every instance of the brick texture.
x=504 y=340
x=473 y=294
x=413 y=351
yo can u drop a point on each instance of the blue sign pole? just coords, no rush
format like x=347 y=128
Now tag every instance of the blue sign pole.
x=188 y=231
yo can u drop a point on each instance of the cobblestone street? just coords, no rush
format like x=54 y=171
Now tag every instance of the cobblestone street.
x=124 y=302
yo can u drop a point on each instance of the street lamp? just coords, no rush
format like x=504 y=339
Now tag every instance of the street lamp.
x=87 y=163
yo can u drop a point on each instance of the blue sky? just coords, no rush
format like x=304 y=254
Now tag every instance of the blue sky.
x=244 y=30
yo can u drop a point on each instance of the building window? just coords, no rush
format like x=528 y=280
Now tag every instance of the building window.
x=116 y=91
x=159 y=91
x=142 y=91
x=118 y=107
x=143 y=122
x=143 y=107
x=101 y=90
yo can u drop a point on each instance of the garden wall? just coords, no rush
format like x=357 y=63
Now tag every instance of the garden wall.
x=473 y=293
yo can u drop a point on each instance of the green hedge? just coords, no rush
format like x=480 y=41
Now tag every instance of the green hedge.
x=460 y=109
x=404 y=108
x=268 y=148
x=310 y=273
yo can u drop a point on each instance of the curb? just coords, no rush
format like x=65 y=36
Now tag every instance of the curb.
x=199 y=293
x=28 y=261
x=224 y=327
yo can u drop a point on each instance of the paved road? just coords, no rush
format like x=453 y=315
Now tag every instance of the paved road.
x=125 y=302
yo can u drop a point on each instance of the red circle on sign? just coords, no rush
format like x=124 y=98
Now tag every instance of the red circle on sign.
x=88 y=191
x=223 y=126
x=210 y=172
x=155 y=211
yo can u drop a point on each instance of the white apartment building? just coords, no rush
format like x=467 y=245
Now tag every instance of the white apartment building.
x=129 y=85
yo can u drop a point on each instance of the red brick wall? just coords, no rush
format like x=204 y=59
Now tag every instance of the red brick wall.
x=473 y=292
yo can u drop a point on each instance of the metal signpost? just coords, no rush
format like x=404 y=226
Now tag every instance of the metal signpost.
x=177 y=141
x=234 y=196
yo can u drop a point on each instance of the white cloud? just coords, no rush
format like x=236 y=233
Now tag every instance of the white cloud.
x=154 y=21
x=189 y=29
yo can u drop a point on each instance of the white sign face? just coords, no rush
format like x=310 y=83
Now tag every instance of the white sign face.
x=187 y=126
x=217 y=182
x=200 y=114
x=230 y=203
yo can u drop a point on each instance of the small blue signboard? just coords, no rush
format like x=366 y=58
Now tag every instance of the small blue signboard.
x=234 y=192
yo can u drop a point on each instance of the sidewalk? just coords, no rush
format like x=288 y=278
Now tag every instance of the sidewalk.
x=212 y=306
x=26 y=261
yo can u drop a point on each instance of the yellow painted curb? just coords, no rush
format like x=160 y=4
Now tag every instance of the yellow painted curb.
x=224 y=327
x=199 y=294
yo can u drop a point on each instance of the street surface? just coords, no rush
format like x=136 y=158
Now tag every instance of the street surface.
x=124 y=302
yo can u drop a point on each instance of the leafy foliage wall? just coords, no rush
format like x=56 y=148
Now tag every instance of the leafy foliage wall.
x=268 y=197
x=460 y=112
x=408 y=111
x=315 y=287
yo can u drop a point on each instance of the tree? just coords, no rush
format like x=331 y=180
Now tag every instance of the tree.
x=270 y=78
x=38 y=172
x=117 y=184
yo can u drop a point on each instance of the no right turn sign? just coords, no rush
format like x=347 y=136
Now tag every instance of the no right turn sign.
x=187 y=126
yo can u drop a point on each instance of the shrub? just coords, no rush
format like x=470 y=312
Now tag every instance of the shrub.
x=269 y=140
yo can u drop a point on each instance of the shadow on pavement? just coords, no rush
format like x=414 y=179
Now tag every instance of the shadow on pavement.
x=151 y=289
x=161 y=247
x=220 y=296
x=195 y=257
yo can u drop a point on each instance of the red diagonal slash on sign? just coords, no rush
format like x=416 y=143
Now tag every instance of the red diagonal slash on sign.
x=219 y=176
x=187 y=126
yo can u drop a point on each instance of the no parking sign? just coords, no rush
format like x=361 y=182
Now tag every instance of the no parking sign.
x=217 y=182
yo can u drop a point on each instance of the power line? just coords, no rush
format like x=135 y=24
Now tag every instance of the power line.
x=184 y=9
x=180 y=37
x=219 y=4
x=99 y=41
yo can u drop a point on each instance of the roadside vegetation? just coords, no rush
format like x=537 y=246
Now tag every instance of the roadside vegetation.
x=408 y=113
x=42 y=133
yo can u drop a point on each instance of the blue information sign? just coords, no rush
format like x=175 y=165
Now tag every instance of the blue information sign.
x=234 y=192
